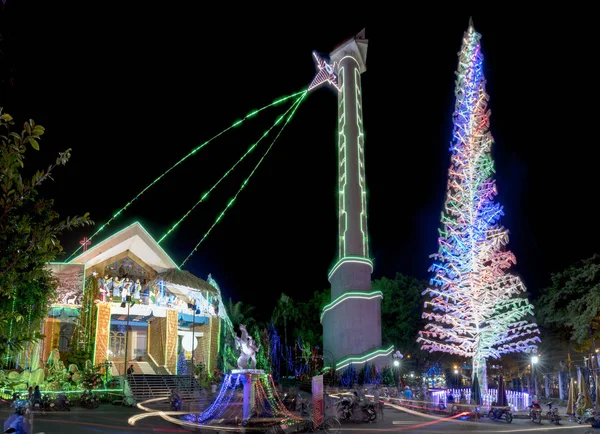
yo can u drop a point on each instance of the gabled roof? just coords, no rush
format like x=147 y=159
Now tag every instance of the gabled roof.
x=133 y=238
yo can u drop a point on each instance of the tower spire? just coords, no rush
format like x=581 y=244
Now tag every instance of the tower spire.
x=471 y=26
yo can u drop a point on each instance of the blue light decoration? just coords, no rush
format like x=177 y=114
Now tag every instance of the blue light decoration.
x=182 y=363
x=265 y=407
x=476 y=307
x=349 y=376
x=434 y=370
x=275 y=352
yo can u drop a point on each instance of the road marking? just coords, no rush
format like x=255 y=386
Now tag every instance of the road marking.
x=403 y=422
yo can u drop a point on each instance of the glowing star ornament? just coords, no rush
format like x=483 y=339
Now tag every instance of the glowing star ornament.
x=326 y=73
x=476 y=307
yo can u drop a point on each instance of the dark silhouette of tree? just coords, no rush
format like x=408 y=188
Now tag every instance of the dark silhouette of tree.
x=401 y=311
x=29 y=231
x=570 y=306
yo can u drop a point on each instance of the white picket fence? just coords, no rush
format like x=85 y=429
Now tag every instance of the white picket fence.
x=516 y=400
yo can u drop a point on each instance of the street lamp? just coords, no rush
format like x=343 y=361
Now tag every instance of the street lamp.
x=397 y=356
x=534 y=360
x=107 y=364
x=456 y=377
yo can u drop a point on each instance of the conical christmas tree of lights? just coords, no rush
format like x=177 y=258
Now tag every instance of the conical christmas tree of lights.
x=476 y=308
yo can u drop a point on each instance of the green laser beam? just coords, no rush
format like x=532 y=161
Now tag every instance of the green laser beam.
x=192 y=152
x=206 y=194
x=289 y=118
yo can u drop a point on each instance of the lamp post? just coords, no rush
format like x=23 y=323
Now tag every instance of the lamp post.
x=107 y=364
x=534 y=360
x=193 y=342
x=129 y=303
x=397 y=366
x=456 y=377
x=397 y=356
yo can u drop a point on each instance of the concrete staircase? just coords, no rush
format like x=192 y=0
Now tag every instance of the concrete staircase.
x=144 y=387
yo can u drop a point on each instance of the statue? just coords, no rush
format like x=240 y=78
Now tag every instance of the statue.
x=247 y=359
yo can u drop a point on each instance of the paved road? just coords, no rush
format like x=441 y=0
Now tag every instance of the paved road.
x=105 y=419
x=407 y=421
x=114 y=420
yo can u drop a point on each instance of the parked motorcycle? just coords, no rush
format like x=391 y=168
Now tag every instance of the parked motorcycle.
x=552 y=414
x=498 y=413
x=62 y=402
x=535 y=412
x=88 y=400
x=589 y=417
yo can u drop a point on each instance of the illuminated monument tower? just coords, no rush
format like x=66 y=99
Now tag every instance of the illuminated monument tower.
x=352 y=321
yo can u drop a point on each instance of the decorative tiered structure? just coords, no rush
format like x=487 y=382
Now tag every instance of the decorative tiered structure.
x=247 y=398
x=352 y=321
x=477 y=308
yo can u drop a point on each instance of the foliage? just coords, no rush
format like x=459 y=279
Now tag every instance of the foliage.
x=76 y=356
x=91 y=377
x=571 y=304
x=87 y=322
x=285 y=310
x=389 y=375
x=262 y=356
x=401 y=310
x=29 y=231
x=309 y=329
x=227 y=357
x=240 y=313
x=369 y=374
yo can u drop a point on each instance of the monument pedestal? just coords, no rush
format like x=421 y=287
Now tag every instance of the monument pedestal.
x=248 y=377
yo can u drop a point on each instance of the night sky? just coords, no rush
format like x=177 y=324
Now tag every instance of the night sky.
x=133 y=91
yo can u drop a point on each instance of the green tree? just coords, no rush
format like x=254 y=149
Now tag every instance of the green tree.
x=310 y=329
x=29 y=232
x=285 y=310
x=240 y=313
x=401 y=310
x=570 y=306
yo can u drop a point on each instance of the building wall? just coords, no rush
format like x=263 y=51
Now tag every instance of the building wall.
x=157 y=329
x=52 y=333
x=208 y=345
x=214 y=341
x=102 y=331
x=171 y=340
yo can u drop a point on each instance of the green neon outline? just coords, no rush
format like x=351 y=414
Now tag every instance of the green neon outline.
x=358 y=359
x=349 y=258
x=342 y=168
x=350 y=296
x=96 y=337
x=360 y=145
x=71 y=391
x=231 y=169
x=245 y=182
x=123 y=230
x=192 y=152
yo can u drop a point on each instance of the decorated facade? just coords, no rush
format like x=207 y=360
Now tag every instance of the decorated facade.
x=125 y=302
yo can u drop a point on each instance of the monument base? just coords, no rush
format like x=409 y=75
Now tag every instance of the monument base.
x=247 y=401
x=247 y=371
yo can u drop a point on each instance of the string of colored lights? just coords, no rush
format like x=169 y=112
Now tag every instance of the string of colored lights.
x=476 y=307
x=218 y=219
x=250 y=149
x=192 y=152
